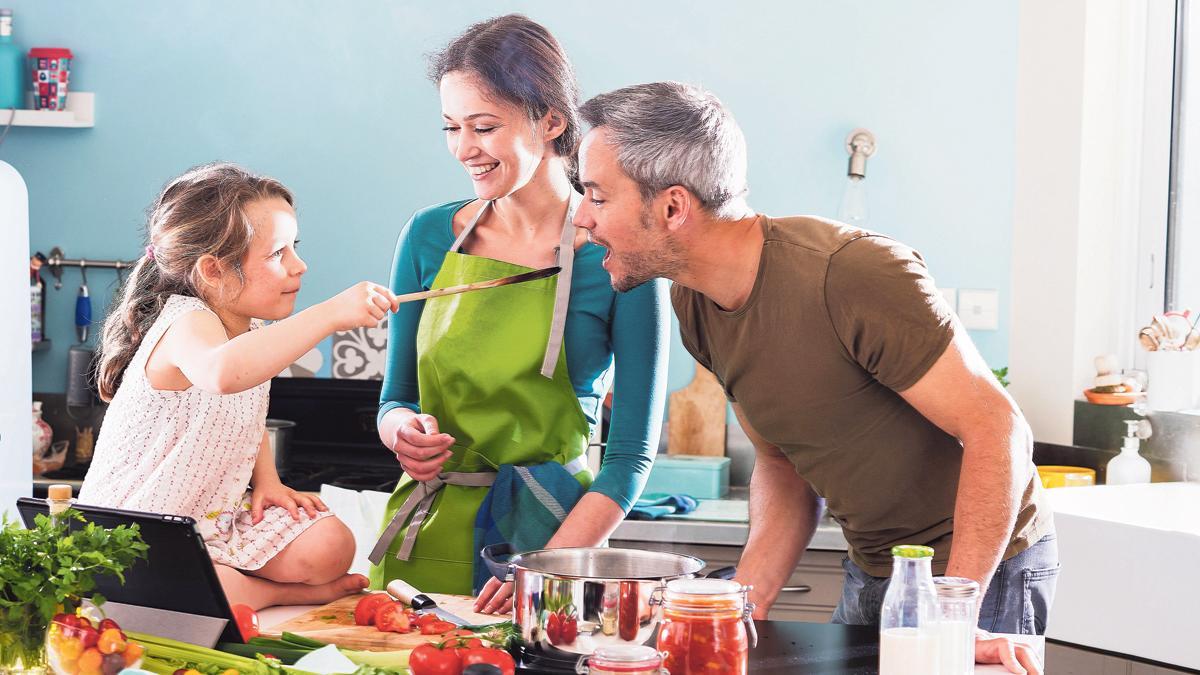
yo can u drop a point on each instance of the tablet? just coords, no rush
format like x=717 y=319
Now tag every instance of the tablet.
x=176 y=576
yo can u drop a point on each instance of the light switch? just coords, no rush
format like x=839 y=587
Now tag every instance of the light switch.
x=951 y=296
x=979 y=309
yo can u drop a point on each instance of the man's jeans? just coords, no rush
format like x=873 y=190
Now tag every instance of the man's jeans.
x=1018 y=600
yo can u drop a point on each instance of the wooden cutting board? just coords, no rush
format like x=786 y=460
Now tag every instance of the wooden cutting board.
x=334 y=623
x=697 y=417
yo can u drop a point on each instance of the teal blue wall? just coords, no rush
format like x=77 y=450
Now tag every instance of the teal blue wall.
x=331 y=98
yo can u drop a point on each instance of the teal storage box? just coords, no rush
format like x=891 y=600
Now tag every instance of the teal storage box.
x=699 y=476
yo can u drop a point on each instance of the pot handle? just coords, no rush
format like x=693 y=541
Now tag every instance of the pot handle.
x=501 y=570
x=723 y=573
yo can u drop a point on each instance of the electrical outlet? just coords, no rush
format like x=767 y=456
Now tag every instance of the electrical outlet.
x=979 y=309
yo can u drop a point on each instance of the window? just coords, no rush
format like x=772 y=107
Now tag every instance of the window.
x=1182 y=270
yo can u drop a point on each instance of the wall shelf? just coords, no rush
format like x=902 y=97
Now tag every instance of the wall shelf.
x=80 y=114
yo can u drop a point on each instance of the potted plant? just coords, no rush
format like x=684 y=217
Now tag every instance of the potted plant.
x=48 y=569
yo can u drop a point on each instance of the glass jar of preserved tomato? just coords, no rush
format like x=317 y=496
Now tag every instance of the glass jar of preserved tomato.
x=622 y=660
x=706 y=626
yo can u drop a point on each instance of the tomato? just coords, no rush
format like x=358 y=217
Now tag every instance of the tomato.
x=133 y=652
x=247 y=621
x=436 y=627
x=568 y=629
x=111 y=641
x=108 y=623
x=429 y=660
x=426 y=619
x=364 y=611
x=554 y=628
x=496 y=657
x=390 y=618
x=90 y=659
x=88 y=636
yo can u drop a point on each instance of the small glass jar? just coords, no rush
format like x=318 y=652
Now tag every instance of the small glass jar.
x=706 y=626
x=956 y=625
x=622 y=660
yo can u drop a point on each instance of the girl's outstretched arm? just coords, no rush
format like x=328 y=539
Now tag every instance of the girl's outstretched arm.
x=198 y=347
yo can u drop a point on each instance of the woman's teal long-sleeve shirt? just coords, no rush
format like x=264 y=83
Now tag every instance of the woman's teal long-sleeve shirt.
x=608 y=335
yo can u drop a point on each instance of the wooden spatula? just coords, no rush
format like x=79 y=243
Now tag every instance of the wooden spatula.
x=480 y=285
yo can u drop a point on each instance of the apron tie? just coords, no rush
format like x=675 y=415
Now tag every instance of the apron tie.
x=418 y=504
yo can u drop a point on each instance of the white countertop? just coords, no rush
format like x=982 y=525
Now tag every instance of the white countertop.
x=692 y=529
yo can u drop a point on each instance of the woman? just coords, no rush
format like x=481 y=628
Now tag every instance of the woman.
x=514 y=376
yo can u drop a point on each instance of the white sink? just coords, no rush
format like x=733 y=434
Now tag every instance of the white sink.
x=1129 y=556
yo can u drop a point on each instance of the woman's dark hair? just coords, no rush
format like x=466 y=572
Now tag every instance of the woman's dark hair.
x=520 y=62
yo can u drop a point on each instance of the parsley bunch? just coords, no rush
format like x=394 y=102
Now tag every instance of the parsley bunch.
x=50 y=568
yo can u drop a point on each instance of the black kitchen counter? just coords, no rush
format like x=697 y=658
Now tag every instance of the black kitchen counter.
x=797 y=648
x=811 y=648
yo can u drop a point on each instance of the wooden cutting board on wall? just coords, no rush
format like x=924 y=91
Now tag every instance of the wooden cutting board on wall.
x=697 y=417
x=334 y=623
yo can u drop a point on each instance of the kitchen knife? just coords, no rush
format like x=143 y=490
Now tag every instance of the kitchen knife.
x=421 y=603
x=480 y=285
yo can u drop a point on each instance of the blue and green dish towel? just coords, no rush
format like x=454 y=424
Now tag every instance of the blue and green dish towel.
x=543 y=495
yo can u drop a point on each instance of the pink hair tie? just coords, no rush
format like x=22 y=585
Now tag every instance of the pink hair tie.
x=150 y=252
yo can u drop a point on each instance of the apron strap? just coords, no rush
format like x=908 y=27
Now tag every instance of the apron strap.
x=418 y=505
x=565 y=253
x=458 y=243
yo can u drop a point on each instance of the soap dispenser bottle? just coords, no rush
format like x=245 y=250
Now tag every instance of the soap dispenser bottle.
x=1128 y=467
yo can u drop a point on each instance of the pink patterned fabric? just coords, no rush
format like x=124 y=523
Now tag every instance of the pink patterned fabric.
x=189 y=453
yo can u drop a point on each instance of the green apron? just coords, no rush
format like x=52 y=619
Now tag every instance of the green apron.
x=491 y=369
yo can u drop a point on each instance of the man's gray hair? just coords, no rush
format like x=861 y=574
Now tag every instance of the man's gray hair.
x=671 y=133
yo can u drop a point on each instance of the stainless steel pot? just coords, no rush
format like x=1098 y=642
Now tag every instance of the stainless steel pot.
x=279 y=436
x=571 y=601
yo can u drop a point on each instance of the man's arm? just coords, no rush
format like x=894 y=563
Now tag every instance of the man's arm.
x=783 y=516
x=961 y=396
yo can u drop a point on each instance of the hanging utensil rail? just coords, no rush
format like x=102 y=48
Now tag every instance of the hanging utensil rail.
x=56 y=261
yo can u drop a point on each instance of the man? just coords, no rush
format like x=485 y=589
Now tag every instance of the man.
x=845 y=367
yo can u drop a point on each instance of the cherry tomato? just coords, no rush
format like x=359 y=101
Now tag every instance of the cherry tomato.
x=496 y=657
x=390 y=618
x=88 y=636
x=554 y=628
x=364 y=611
x=90 y=659
x=247 y=621
x=429 y=660
x=437 y=627
x=111 y=641
x=133 y=652
x=108 y=623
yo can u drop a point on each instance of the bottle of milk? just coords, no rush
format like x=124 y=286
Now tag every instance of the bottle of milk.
x=908 y=625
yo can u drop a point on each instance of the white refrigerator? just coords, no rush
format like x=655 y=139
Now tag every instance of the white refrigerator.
x=16 y=379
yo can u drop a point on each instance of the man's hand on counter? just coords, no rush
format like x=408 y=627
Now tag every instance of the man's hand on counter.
x=1015 y=656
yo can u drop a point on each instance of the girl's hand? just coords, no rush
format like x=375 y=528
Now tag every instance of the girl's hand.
x=495 y=597
x=278 y=494
x=363 y=305
x=420 y=448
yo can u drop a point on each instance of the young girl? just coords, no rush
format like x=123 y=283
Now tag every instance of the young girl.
x=187 y=366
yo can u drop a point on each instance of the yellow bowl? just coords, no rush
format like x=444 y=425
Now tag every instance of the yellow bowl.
x=1066 y=476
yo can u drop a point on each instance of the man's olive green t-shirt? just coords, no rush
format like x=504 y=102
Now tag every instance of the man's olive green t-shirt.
x=839 y=320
